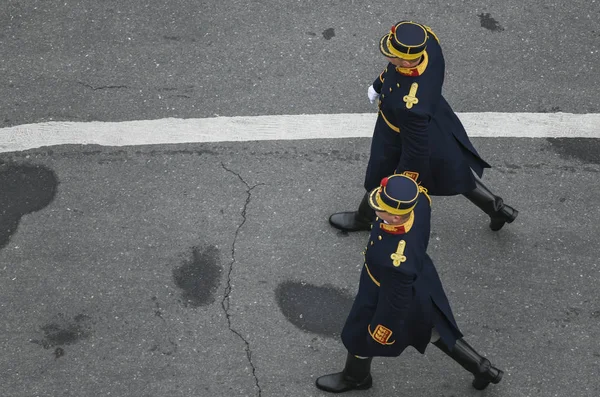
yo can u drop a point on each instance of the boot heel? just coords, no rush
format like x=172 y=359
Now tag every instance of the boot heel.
x=506 y=215
x=481 y=382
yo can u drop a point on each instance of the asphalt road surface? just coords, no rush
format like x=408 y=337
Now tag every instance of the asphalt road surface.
x=209 y=269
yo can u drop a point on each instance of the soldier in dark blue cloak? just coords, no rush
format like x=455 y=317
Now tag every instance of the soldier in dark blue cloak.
x=417 y=130
x=400 y=300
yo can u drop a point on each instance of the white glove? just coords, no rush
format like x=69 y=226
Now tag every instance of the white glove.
x=373 y=95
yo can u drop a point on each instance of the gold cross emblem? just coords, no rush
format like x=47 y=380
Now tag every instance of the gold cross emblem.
x=411 y=99
x=398 y=256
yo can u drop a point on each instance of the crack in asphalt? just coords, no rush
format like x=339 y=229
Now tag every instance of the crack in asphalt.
x=225 y=301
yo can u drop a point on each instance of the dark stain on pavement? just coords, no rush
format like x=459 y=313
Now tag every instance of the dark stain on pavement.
x=198 y=278
x=586 y=150
x=317 y=309
x=63 y=331
x=489 y=23
x=23 y=189
x=328 y=33
x=59 y=352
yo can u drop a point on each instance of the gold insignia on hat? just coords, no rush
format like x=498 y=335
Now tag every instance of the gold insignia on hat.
x=411 y=99
x=398 y=256
x=381 y=334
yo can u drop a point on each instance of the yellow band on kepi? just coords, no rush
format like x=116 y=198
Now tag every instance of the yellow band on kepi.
x=389 y=51
x=383 y=46
x=378 y=205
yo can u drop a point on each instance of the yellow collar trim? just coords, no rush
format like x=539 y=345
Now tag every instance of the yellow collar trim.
x=399 y=229
x=417 y=70
x=409 y=223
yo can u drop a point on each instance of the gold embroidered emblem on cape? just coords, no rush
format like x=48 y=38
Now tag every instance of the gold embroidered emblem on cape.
x=398 y=256
x=411 y=99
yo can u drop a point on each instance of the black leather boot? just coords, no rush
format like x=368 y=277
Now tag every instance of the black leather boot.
x=492 y=205
x=470 y=360
x=355 y=376
x=354 y=221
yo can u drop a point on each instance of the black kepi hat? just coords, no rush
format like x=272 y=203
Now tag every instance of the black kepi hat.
x=406 y=40
x=397 y=195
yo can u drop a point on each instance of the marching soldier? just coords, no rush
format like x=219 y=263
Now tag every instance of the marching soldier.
x=417 y=130
x=400 y=300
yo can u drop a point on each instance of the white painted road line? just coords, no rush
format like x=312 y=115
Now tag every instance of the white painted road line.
x=286 y=127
